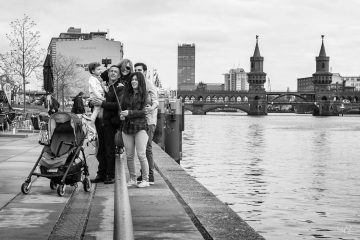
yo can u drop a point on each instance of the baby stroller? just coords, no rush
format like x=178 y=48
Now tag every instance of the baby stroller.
x=62 y=160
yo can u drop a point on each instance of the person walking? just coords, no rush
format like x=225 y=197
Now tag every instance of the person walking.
x=78 y=105
x=134 y=134
x=151 y=117
x=117 y=77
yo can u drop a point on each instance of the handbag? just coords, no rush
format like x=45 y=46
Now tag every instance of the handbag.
x=118 y=139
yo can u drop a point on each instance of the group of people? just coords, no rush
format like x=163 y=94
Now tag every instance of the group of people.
x=124 y=100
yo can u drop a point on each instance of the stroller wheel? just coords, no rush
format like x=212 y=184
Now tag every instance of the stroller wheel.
x=25 y=188
x=52 y=184
x=60 y=190
x=87 y=184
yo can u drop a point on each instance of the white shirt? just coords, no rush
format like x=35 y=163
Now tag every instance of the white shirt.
x=95 y=88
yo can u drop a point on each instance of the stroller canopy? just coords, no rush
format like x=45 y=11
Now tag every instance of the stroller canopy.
x=57 y=120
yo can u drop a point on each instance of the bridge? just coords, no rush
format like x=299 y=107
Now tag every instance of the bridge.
x=199 y=102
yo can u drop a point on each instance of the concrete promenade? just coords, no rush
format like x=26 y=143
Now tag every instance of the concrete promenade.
x=176 y=207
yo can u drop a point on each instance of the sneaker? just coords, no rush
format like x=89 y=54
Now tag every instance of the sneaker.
x=139 y=179
x=132 y=182
x=143 y=184
x=151 y=179
x=98 y=179
x=109 y=180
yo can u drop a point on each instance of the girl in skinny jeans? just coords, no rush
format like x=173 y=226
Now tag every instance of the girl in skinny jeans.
x=135 y=126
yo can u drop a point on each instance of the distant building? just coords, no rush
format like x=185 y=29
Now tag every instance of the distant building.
x=186 y=67
x=85 y=48
x=339 y=83
x=214 y=86
x=236 y=80
x=305 y=84
x=352 y=81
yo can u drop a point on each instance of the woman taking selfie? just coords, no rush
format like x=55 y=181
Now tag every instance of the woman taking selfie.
x=135 y=126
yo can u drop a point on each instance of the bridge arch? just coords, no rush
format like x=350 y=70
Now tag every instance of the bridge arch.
x=242 y=108
x=289 y=94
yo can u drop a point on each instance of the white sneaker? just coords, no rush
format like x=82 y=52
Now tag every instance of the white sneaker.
x=132 y=182
x=143 y=184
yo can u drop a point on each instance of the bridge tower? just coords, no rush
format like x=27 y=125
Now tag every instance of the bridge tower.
x=322 y=79
x=256 y=80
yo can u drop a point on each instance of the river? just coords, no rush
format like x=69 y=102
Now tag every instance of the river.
x=289 y=176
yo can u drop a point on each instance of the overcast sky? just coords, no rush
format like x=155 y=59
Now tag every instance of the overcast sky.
x=223 y=32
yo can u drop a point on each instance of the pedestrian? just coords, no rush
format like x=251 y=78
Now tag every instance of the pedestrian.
x=151 y=117
x=78 y=105
x=134 y=129
x=51 y=104
x=97 y=89
x=117 y=77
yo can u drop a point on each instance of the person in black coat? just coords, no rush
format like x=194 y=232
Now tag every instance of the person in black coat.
x=78 y=106
x=52 y=104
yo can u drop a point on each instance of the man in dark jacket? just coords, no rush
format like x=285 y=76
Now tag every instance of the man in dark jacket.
x=78 y=106
x=107 y=126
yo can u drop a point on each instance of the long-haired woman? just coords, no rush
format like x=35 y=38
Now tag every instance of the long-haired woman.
x=135 y=126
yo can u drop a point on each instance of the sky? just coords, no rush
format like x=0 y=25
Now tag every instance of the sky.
x=223 y=32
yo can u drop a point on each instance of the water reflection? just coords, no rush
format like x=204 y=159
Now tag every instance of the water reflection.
x=294 y=176
x=253 y=174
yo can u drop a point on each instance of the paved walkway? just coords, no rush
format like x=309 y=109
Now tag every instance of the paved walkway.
x=41 y=214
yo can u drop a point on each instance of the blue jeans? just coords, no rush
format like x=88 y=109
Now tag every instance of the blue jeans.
x=149 y=154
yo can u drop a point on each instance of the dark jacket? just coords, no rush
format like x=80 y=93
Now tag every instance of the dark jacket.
x=78 y=106
x=110 y=105
x=136 y=120
x=54 y=107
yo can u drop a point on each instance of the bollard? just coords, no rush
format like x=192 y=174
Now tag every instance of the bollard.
x=174 y=126
x=159 y=134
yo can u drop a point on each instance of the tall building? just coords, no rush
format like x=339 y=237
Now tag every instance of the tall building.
x=186 y=67
x=236 y=80
x=85 y=48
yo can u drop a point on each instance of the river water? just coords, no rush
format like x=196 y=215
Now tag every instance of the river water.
x=289 y=176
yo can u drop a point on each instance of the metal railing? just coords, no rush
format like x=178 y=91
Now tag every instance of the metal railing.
x=123 y=227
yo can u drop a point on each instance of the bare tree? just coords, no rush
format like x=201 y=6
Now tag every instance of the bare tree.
x=66 y=76
x=24 y=56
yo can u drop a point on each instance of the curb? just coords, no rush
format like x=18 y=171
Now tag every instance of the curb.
x=14 y=135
